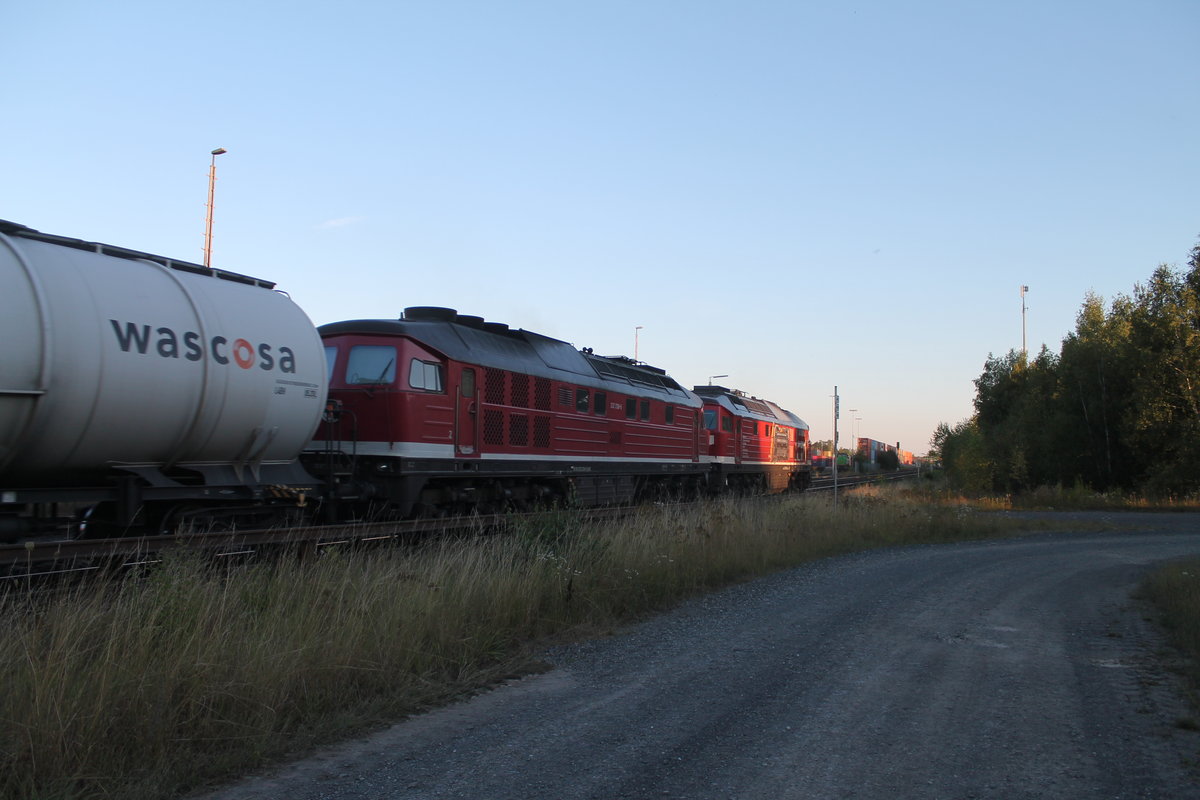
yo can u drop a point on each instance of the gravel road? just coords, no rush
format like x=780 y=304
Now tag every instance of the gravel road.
x=1008 y=669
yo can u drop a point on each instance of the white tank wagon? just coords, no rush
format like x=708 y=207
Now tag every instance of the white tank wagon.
x=162 y=378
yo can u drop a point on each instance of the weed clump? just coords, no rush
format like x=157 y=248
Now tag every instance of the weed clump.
x=1174 y=590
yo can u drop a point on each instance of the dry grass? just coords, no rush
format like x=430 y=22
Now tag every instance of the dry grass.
x=145 y=688
x=1175 y=591
x=1052 y=498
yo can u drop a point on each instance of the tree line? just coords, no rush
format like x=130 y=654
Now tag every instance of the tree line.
x=1117 y=408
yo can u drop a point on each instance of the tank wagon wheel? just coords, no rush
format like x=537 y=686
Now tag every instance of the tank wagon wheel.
x=100 y=521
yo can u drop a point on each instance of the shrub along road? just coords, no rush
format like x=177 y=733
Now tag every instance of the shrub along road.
x=1019 y=668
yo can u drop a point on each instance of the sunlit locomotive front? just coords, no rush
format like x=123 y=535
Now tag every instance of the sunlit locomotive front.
x=753 y=445
x=439 y=412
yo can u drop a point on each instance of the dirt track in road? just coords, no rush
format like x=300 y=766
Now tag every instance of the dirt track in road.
x=1007 y=669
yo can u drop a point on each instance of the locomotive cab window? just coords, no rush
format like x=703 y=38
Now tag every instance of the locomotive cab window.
x=330 y=360
x=601 y=404
x=425 y=375
x=727 y=423
x=670 y=414
x=371 y=364
x=646 y=410
x=630 y=408
x=582 y=404
x=710 y=419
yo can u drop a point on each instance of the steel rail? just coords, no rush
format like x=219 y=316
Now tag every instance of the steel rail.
x=88 y=553
x=37 y=557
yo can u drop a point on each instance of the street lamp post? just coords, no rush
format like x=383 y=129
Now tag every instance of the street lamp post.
x=635 y=342
x=712 y=378
x=212 y=181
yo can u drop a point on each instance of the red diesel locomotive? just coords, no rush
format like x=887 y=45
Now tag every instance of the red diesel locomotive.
x=439 y=412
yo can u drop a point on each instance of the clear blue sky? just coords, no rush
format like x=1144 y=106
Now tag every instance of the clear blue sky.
x=798 y=194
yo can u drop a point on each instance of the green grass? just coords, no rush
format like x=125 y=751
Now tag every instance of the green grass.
x=193 y=673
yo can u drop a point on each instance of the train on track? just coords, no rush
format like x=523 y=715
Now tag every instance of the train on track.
x=140 y=394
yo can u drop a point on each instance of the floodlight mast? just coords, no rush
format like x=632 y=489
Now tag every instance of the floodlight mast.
x=208 y=219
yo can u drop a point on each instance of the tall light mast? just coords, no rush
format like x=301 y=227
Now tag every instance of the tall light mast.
x=212 y=182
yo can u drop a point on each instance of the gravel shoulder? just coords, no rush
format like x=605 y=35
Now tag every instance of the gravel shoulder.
x=1018 y=668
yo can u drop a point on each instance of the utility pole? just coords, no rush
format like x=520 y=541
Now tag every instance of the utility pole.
x=836 y=411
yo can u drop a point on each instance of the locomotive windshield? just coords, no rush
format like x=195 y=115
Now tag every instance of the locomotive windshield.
x=710 y=419
x=371 y=364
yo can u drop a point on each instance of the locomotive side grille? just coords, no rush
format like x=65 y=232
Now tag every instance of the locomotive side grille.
x=565 y=398
x=518 y=430
x=493 y=386
x=541 y=394
x=493 y=427
x=520 y=391
x=541 y=428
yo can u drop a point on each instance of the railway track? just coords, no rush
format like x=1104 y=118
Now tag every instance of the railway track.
x=37 y=558
x=851 y=480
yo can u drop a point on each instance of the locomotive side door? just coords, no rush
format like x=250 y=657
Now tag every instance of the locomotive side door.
x=466 y=414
